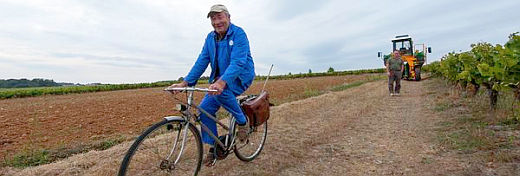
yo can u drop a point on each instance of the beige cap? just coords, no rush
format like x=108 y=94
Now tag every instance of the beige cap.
x=217 y=8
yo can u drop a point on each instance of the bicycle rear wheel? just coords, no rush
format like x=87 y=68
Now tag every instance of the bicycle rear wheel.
x=160 y=151
x=249 y=150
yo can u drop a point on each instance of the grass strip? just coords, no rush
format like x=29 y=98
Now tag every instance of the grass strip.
x=356 y=83
x=36 y=157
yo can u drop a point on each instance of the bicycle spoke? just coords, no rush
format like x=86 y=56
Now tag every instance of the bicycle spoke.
x=149 y=157
x=253 y=146
x=152 y=152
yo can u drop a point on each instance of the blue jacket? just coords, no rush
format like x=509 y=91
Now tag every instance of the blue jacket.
x=236 y=67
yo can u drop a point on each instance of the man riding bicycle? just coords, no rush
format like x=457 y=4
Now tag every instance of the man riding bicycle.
x=226 y=50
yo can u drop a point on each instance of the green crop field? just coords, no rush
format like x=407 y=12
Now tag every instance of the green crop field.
x=38 y=91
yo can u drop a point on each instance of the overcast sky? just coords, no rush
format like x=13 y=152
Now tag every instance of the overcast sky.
x=116 y=41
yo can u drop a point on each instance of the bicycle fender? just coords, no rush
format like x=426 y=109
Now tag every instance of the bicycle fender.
x=169 y=118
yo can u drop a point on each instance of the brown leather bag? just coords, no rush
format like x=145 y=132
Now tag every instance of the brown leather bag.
x=257 y=109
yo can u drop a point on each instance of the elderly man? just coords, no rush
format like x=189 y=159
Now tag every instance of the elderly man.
x=226 y=50
x=394 y=68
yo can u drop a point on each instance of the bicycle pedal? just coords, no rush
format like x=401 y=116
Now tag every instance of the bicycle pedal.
x=213 y=163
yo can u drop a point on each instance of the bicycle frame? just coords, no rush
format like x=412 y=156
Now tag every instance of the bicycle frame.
x=188 y=116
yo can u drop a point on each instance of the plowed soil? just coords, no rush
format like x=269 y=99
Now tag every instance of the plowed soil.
x=68 y=121
x=359 y=131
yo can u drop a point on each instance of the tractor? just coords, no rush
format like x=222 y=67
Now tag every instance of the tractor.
x=413 y=56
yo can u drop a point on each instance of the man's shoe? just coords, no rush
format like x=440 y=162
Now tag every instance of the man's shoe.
x=396 y=94
x=243 y=131
x=210 y=158
x=391 y=94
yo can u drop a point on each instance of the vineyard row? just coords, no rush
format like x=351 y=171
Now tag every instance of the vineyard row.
x=497 y=68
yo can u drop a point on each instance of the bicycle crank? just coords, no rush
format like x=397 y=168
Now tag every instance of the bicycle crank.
x=167 y=165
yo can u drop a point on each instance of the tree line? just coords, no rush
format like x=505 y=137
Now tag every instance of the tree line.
x=19 y=83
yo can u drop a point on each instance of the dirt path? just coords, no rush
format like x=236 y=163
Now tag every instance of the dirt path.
x=360 y=131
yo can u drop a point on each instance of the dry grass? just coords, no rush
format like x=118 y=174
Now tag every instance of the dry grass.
x=489 y=138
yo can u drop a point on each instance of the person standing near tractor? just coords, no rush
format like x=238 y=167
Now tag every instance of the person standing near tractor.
x=394 y=69
x=419 y=56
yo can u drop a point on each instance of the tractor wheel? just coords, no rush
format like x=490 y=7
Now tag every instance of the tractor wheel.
x=417 y=73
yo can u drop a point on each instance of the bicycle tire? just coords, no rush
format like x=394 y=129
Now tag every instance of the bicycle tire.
x=137 y=162
x=254 y=145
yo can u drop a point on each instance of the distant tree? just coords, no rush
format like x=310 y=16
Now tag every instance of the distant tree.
x=310 y=71
x=289 y=74
x=16 y=83
x=180 y=79
x=331 y=70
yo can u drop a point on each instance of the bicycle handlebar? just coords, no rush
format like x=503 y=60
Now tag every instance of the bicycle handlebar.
x=189 y=89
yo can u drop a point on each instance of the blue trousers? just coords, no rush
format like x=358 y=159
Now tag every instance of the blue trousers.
x=211 y=104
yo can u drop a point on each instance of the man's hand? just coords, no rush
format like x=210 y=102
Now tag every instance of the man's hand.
x=219 y=86
x=387 y=69
x=182 y=84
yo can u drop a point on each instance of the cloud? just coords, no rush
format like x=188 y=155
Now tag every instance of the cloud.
x=286 y=10
x=144 y=41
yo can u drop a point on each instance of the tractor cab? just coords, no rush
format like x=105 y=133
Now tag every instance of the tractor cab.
x=403 y=44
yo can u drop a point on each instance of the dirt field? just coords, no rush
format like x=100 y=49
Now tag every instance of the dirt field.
x=359 y=131
x=69 y=121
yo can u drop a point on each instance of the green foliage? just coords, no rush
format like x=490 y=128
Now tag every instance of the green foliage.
x=38 y=91
x=470 y=73
x=357 y=83
x=451 y=66
x=347 y=86
x=495 y=67
x=311 y=93
x=36 y=157
x=17 y=83
x=433 y=68
x=510 y=61
x=108 y=143
x=330 y=70
x=485 y=55
x=308 y=75
x=30 y=158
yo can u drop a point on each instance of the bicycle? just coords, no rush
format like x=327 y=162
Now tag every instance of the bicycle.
x=173 y=146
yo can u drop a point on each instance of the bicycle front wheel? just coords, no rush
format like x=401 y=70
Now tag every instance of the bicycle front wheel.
x=170 y=147
x=252 y=147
